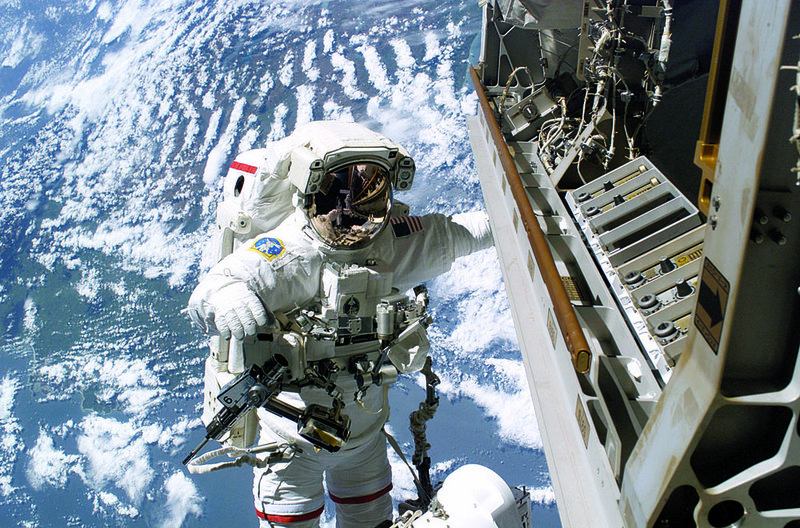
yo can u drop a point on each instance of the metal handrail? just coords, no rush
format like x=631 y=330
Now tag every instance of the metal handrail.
x=565 y=314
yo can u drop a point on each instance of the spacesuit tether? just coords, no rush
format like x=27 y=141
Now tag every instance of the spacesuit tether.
x=317 y=255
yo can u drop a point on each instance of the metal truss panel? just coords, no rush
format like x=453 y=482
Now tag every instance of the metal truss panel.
x=723 y=442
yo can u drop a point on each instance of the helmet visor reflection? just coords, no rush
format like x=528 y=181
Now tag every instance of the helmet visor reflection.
x=352 y=206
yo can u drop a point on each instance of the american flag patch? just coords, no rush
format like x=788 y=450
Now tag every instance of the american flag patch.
x=405 y=225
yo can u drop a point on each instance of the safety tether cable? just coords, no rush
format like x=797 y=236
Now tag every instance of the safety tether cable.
x=201 y=464
x=418 y=420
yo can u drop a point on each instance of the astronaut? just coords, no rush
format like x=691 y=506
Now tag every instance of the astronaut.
x=346 y=247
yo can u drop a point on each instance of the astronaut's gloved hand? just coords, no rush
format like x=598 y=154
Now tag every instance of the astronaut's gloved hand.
x=474 y=233
x=232 y=310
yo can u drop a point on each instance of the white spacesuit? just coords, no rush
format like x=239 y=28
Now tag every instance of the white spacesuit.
x=327 y=275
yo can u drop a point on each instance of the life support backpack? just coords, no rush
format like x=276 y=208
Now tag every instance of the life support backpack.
x=256 y=197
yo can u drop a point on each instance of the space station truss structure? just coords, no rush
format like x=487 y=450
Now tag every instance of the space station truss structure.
x=659 y=331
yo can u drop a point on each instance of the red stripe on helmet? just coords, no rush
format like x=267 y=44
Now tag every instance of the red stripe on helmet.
x=244 y=167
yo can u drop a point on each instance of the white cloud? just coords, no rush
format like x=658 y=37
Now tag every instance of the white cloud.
x=545 y=496
x=131 y=17
x=309 y=55
x=138 y=400
x=511 y=406
x=211 y=131
x=183 y=499
x=48 y=465
x=26 y=44
x=215 y=162
x=8 y=390
x=286 y=72
x=129 y=385
x=89 y=285
x=55 y=374
x=116 y=454
x=483 y=315
x=305 y=104
x=403 y=487
x=278 y=129
x=328 y=41
x=101 y=500
x=29 y=322
x=248 y=139
x=403 y=56
x=333 y=111
x=349 y=80
x=432 y=48
x=104 y=11
x=209 y=101
x=174 y=435
x=375 y=68
x=10 y=430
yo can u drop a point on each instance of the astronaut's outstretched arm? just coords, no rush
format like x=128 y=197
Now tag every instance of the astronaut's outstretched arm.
x=430 y=250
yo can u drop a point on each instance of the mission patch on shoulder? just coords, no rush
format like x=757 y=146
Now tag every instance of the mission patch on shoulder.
x=405 y=225
x=271 y=248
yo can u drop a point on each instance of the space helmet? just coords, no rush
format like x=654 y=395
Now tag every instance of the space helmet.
x=345 y=174
x=352 y=205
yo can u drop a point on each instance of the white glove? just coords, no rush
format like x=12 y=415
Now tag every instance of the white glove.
x=475 y=235
x=233 y=309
